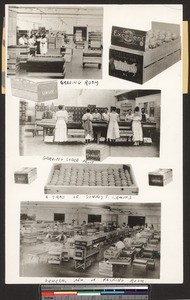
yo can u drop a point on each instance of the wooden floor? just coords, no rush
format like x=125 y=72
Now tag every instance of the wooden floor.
x=36 y=146
x=67 y=268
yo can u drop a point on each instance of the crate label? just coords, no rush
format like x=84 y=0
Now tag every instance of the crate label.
x=128 y=38
x=93 y=155
x=22 y=178
x=156 y=180
x=126 y=65
x=47 y=91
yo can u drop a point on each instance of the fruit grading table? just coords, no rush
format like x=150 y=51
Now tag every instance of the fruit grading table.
x=51 y=66
x=100 y=127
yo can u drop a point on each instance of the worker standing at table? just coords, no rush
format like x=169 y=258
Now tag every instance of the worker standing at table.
x=120 y=244
x=38 y=42
x=128 y=242
x=129 y=115
x=87 y=125
x=61 y=237
x=47 y=114
x=105 y=117
x=22 y=40
x=137 y=127
x=96 y=117
x=43 y=45
x=145 y=117
x=113 y=127
x=61 y=117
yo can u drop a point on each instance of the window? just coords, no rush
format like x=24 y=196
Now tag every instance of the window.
x=151 y=111
x=134 y=221
x=59 y=217
x=94 y=218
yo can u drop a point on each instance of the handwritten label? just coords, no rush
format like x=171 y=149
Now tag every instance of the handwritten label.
x=94 y=280
x=67 y=159
x=88 y=197
x=82 y=83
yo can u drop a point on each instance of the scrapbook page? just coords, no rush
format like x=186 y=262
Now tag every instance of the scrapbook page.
x=94 y=144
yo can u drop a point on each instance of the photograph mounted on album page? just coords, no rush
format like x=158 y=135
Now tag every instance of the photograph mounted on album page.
x=94 y=144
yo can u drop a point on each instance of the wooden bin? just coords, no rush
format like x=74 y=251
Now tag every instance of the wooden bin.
x=25 y=175
x=124 y=189
x=131 y=59
x=160 y=177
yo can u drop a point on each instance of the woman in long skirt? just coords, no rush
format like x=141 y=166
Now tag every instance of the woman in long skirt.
x=137 y=127
x=113 y=127
x=61 y=117
x=43 y=45
x=87 y=125
x=38 y=42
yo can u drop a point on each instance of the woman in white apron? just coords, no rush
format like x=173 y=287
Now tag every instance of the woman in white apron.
x=61 y=117
x=113 y=127
x=43 y=45
x=87 y=125
x=137 y=127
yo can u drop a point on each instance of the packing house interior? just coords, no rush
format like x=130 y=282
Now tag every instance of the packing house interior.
x=90 y=240
x=61 y=42
x=125 y=122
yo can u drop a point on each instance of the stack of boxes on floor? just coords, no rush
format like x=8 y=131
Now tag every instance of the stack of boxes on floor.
x=17 y=55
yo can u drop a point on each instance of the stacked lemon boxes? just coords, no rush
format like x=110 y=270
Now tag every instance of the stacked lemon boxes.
x=13 y=63
x=51 y=43
x=138 y=56
x=92 y=57
x=160 y=177
x=97 y=152
x=79 y=179
x=25 y=175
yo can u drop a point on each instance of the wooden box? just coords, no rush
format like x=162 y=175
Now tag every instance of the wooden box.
x=160 y=177
x=35 y=91
x=107 y=179
x=140 y=266
x=151 y=264
x=25 y=175
x=97 y=152
x=138 y=55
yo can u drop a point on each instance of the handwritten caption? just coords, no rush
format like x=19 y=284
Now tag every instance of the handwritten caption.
x=94 y=280
x=89 y=197
x=79 y=82
x=67 y=159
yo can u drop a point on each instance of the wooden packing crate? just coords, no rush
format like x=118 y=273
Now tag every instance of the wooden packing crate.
x=71 y=188
x=140 y=266
x=97 y=152
x=25 y=175
x=151 y=264
x=160 y=177
x=131 y=59
x=36 y=91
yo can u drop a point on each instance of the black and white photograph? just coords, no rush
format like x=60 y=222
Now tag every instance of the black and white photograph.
x=137 y=55
x=98 y=179
x=55 y=41
x=94 y=156
x=93 y=123
x=90 y=240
